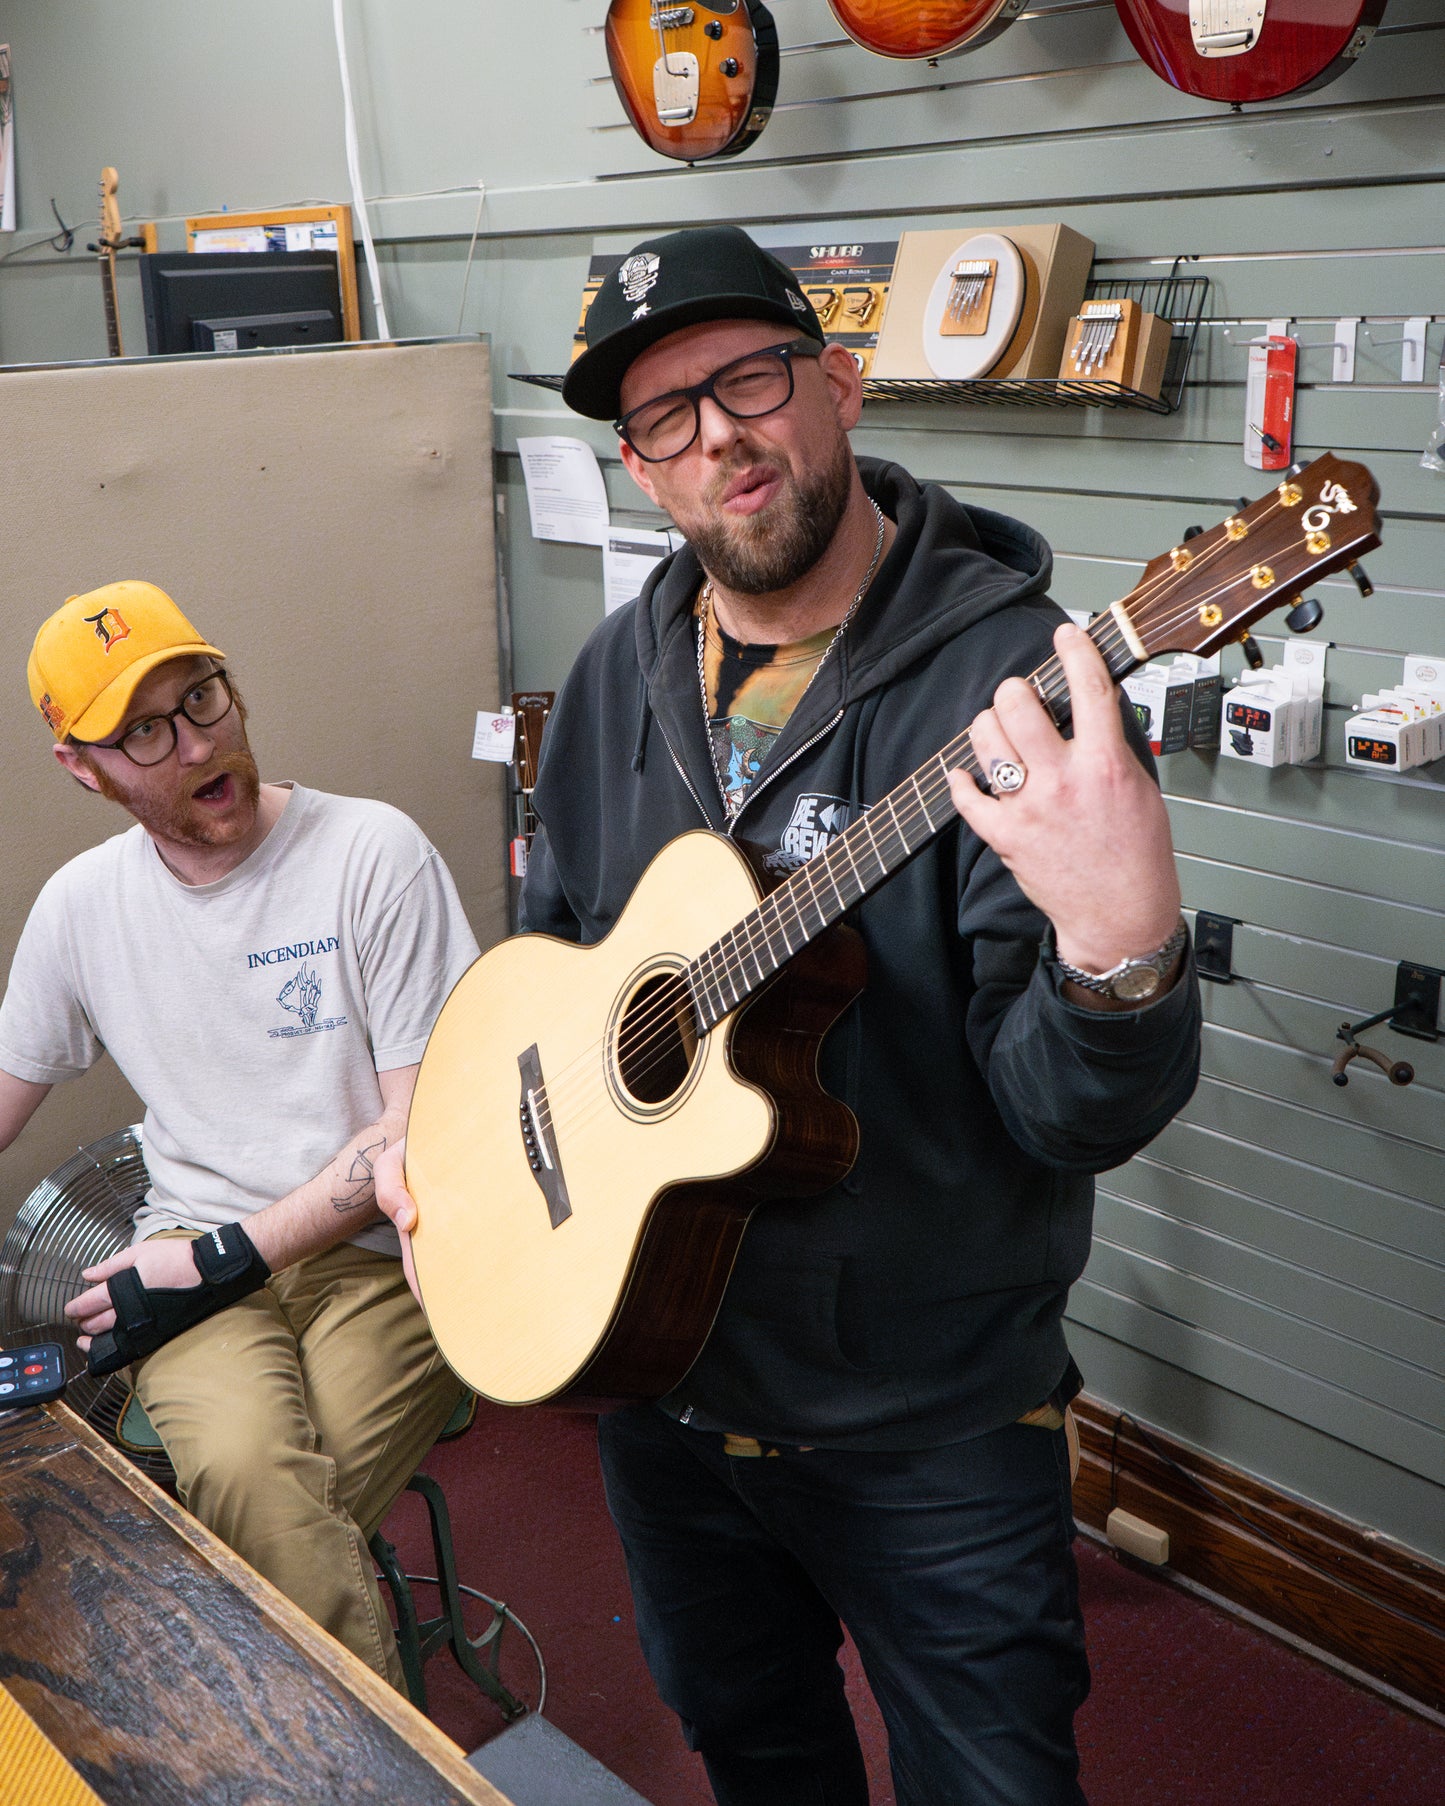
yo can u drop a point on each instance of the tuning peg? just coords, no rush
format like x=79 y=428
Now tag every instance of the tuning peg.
x=1192 y=532
x=1253 y=657
x=1305 y=616
x=1295 y=470
x=1362 y=582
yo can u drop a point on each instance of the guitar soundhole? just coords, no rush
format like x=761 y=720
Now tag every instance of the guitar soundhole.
x=657 y=1039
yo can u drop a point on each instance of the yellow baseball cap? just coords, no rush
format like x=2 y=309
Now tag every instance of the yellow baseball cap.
x=91 y=654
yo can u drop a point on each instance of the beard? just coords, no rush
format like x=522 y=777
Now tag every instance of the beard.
x=760 y=553
x=177 y=818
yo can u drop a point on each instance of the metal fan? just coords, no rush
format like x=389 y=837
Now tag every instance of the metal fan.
x=79 y=1215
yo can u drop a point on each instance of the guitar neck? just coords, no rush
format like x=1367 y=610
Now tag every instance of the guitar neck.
x=112 y=312
x=885 y=837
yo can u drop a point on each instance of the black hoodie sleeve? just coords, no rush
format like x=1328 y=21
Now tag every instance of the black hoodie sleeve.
x=544 y=908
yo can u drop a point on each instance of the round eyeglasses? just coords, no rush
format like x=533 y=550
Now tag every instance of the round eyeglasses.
x=154 y=739
x=758 y=383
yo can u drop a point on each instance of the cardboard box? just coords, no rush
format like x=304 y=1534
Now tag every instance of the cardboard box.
x=1151 y=354
x=1163 y=697
x=1055 y=262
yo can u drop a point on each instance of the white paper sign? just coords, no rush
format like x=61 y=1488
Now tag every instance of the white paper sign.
x=565 y=491
x=629 y=555
x=7 y=144
x=495 y=737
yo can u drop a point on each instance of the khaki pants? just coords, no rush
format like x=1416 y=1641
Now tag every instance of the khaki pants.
x=294 y=1418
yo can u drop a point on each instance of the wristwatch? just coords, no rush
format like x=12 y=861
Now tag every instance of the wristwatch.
x=1132 y=980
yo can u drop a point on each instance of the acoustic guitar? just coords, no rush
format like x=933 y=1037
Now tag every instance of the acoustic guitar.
x=924 y=28
x=592 y=1126
x=697 y=80
x=1244 y=50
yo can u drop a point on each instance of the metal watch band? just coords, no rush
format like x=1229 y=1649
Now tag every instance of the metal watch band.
x=1104 y=982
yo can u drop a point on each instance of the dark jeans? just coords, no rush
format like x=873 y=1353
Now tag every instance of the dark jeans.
x=951 y=1567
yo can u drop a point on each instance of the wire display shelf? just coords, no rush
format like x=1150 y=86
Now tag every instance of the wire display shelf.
x=1180 y=300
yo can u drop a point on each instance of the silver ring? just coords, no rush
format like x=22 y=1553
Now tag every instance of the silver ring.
x=1005 y=776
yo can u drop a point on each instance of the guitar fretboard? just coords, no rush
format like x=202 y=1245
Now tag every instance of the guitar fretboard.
x=884 y=837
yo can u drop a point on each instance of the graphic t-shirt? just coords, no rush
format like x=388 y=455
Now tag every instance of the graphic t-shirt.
x=252 y=1015
x=751 y=693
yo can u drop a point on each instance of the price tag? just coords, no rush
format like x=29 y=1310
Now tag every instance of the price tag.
x=496 y=736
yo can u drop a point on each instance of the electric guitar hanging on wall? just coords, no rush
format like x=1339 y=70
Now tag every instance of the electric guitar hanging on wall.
x=696 y=80
x=111 y=240
x=593 y=1126
x=924 y=28
x=1249 y=50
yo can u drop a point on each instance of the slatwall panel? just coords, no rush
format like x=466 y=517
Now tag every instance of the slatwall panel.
x=1267 y=1276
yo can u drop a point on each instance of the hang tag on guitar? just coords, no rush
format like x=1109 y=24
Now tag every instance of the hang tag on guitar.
x=1269 y=402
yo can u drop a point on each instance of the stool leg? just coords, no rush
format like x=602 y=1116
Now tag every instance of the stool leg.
x=484 y=1674
x=408 y=1638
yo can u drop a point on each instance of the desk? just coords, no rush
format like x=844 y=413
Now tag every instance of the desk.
x=167 y=1671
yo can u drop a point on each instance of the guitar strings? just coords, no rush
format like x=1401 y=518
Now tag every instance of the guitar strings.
x=661 y=1018
x=757 y=933
x=755 y=929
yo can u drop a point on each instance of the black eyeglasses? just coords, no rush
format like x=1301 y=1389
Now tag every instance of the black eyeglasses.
x=151 y=740
x=758 y=383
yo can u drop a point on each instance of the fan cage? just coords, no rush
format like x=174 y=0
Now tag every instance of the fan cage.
x=81 y=1213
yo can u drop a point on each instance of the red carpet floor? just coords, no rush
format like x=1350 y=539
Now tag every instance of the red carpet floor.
x=1189 y=1707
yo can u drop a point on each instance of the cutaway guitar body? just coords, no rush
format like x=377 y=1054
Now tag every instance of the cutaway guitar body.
x=924 y=28
x=697 y=80
x=1249 y=50
x=599 y=1165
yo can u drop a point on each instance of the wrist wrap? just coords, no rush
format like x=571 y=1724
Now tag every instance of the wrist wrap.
x=146 y=1318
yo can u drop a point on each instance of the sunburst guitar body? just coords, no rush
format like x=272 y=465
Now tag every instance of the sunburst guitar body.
x=697 y=80
x=924 y=28
x=1249 y=50
x=582 y=1192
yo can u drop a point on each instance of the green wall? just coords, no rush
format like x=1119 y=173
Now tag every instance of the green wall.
x=1267 y=1277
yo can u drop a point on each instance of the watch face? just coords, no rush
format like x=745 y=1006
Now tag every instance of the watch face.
x=1136 y=983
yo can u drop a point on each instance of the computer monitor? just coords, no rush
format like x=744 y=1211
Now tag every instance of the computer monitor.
x=237 y=300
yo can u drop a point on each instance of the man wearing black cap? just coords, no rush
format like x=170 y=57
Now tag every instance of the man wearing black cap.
x=873 y=1433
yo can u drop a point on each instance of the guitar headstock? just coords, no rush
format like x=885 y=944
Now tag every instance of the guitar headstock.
x=531 y=708
x=110 y=231
x=1212 y=589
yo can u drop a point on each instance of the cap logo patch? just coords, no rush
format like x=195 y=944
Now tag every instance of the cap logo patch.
x=110 y=627
x=54 y=715
x=638 y=274
x=796 y=302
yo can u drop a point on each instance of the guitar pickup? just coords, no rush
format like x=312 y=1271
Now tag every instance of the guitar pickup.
x=539 y=1140
x=672 y=18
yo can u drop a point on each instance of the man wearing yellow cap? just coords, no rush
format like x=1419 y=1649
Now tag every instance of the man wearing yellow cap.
x=264 y=963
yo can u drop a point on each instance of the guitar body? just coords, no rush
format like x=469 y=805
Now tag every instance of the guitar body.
x=664 y=1143
x=1298 y=44
x=697 y=80
x=924 y=28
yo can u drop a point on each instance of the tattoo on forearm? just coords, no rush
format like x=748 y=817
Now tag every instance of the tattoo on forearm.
x=359 y=1185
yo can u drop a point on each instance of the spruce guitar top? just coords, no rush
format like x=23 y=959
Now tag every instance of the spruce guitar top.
x=1243 y=50
x=592 y=1126
x=697 y=80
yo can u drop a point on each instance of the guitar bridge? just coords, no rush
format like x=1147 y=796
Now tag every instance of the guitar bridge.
x=675 y=87
x=1225 y=27
x=539 y=1140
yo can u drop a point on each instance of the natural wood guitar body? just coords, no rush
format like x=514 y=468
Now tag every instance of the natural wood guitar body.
x=616 y=1300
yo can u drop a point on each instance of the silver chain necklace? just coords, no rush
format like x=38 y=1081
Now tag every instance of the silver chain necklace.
x=732 y=801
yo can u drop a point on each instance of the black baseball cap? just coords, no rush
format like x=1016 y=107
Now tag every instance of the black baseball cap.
x=701 y=273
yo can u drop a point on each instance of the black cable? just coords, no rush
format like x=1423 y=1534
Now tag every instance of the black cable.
x=60 y=242
x=1395 y=1611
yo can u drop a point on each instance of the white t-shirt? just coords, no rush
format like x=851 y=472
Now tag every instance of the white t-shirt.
x=252 y=1015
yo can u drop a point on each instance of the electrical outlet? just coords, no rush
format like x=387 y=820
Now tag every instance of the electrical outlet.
x=1137 y=1537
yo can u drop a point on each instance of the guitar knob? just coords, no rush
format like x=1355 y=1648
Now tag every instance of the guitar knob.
x=1192 y=532
x=1305 y=616
x=729 y=65
x=1253 y=657
x=1362 y=582
x=713 y=29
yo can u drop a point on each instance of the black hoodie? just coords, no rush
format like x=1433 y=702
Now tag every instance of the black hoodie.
x=920 y=1300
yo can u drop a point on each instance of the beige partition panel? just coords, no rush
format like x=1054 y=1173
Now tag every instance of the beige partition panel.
x=326 y=518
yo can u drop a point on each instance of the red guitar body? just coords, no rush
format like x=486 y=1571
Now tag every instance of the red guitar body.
x=1296 y=45
x=929 y=29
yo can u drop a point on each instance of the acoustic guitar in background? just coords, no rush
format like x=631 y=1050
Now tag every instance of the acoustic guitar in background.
x=593 y=1126
x=697 y=80
x=924 y=28
x=1249 y=50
